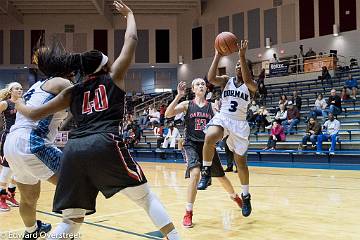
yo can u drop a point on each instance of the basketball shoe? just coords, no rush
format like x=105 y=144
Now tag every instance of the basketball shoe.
x=205 y=180
x=3 y=205
x=246 y=209
x=237 y=200
x=41 y=228
x=10 y=199
x=187 y=221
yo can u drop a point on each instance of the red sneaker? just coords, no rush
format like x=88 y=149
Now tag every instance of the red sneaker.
x=187 y=221
x=238 y=200
x=10 y=199
x=3 y=205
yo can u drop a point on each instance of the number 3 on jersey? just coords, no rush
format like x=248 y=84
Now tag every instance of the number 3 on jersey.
x=233 y=106
x=99 y=103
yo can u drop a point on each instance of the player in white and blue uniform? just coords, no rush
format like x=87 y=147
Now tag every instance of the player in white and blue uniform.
x=29 y=148
x=231 y=121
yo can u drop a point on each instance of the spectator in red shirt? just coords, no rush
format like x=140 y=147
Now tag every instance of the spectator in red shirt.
x=277 y=134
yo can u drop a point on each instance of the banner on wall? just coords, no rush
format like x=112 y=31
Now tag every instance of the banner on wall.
x=281 y=68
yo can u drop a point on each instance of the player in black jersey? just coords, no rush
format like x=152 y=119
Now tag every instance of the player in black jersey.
x=8 y=96
x=198 y=113
x=95 y=158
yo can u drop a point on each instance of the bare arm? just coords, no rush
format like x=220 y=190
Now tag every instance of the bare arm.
x=212 y=77
x=122 y=63
x=175 y=107
x=3 y=106
x=60 y=102
x=245 y=72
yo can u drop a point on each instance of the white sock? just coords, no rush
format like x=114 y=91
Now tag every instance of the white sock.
x=31 y=229
x=66 y=230
x=189 y=206
x=206 y=163
x=245 y=190
x=173 y=235
x=11 y=185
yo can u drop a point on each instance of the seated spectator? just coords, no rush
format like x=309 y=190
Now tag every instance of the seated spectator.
x=334 y=103
x=313 y=130
x=252 y=112
x=154 y=116
x=144 y=119
x=162 y=113
x=261 y=119
x=345 y=94
x=277 y=134
x=331 y=128
x=134 y=136
x=310 y=54
x=325 y=75
x=320 y=106
x=159 y=134
x=296 y=99
x=281 y=115
x=293 y=118
x=351 y=86
x=283 y=100
x=171 y=137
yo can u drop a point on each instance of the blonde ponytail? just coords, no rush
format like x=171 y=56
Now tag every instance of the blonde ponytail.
x=5 y=93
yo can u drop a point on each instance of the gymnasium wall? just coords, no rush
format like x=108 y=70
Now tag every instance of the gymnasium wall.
x=253 y=20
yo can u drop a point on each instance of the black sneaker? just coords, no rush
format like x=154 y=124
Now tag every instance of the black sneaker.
x=41 y=228
x=205 y=180
x=246 y=209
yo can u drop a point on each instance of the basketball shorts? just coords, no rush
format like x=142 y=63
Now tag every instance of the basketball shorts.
x=193 y=157
x=3 y=160
x=30 y=157
x=93 y=163
x=237 y=131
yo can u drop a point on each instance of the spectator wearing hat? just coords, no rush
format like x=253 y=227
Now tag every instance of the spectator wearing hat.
x=293 y=118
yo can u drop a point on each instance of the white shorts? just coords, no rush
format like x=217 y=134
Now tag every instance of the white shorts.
x=30 y=157
x=237 y=131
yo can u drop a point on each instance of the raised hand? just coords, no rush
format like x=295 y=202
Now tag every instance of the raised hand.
x=181 y=88
x=242 y=47
x=122 y=8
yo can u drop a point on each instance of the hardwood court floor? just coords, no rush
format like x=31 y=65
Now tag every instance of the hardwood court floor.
x=287 y=204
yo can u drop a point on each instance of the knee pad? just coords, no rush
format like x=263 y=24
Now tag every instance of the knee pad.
x=5 y=175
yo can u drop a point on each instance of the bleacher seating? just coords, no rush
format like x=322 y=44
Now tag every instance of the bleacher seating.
x=349 y=137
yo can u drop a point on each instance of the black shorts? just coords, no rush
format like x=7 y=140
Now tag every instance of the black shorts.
x=98 y=162
x=3 y=162
x=193 y=156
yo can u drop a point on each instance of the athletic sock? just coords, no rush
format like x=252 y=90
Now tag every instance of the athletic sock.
x=173 y=235
x=31 y=229
x=245 y=190
x=11 y=189
x=67 y=229
x=189 y=206
x=207 y=163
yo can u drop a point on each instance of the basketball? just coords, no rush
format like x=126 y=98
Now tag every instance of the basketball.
x=226 y=43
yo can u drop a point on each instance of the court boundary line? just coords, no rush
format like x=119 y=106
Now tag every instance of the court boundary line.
x=106 y=227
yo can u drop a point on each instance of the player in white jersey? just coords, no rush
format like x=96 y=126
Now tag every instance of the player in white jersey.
x=29 y=147
x=231 y=121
